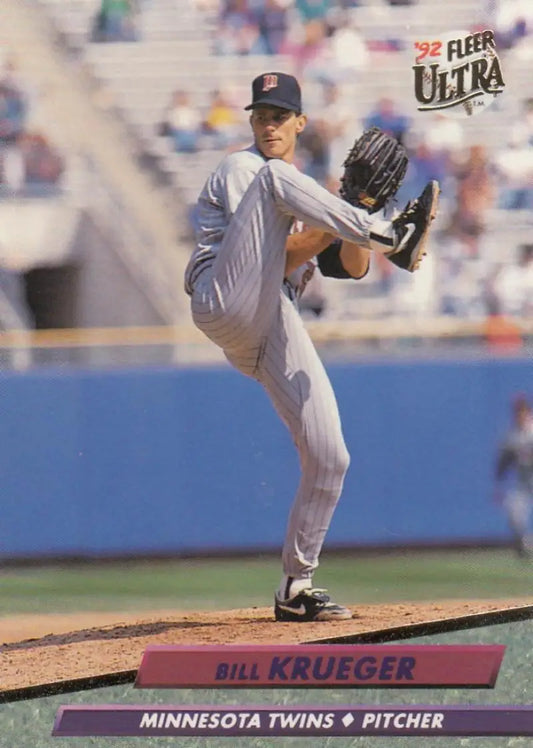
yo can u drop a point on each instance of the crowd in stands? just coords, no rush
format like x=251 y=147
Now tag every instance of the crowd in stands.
x=220 y=125
x=304 y=29
x=319 y=35
x=325 y=45
x=28 y=160
x=475 y=182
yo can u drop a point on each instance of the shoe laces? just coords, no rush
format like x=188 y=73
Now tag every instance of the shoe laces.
x=314 y=591
x=411 y=207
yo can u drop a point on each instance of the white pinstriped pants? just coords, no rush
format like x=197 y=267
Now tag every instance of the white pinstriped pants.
x=238 y=303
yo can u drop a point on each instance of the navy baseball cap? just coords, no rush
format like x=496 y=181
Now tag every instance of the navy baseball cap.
x=276 y=89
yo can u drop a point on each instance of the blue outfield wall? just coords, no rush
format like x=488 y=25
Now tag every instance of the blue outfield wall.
x=186 y=460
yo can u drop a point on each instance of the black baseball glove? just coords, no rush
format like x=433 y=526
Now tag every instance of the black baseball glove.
x=373 y=170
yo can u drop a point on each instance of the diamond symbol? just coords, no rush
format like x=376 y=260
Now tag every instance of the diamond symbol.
x=347 y=720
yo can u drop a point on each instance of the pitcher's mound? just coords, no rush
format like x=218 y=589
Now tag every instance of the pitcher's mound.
x=48 y=654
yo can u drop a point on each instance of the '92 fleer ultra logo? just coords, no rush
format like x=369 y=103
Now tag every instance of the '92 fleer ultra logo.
x=458 y=74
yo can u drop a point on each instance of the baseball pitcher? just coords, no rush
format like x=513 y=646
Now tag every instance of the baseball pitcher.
x=245 y=260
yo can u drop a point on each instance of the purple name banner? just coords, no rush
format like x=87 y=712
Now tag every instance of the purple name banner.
x=324 y=721
x=319 y=665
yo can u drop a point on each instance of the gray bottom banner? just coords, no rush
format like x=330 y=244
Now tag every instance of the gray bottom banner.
x=160 y=721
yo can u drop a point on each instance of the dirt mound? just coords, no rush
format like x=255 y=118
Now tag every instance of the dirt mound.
x=40 y=651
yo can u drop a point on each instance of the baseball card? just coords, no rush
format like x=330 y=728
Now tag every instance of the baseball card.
x=266 y=345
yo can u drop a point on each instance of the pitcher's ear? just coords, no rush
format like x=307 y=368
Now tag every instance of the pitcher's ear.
x=301 y=123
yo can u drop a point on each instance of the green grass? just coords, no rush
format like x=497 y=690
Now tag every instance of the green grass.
x=29 y=724
x=224 y=583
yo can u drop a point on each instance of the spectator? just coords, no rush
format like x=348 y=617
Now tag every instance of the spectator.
x=182 y=123
x=340 y=122
x=348 y=49
x=313 y=10
x=313 y=151
x=460 y=276
x=460 y=285
x=442 y=135
x=328 y=137
x=43 y=165
x=116 y=21
x=522 y=131
x=272 y=25
x=11 y=78
x=514 y=164
x=222 y=122
x=308 y=49
x=333 y=49
x=475 y=193
x=388 y=119
x=238 y=29
x=512 y=284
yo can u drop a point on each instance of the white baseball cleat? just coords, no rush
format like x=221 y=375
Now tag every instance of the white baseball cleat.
x=310 y=605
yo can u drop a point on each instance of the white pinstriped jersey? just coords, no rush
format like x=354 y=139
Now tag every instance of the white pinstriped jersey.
x=216 y=205
x=235 y=278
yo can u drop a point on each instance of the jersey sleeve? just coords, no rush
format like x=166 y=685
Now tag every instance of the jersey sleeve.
x=240 y=170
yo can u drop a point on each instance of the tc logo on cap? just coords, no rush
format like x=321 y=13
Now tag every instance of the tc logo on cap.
x=269 y=81
x=276 y=89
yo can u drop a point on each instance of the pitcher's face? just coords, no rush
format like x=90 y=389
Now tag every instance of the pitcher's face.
x=276 y=130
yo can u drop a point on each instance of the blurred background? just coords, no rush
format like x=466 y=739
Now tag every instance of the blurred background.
x=123 y=431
